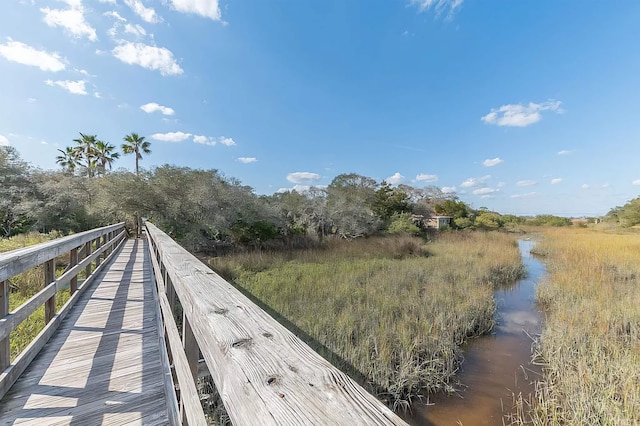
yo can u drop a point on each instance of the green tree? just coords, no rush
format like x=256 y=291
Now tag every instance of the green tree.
x=401 y=223
x=105 y=154
x=350 y=199
x=68 y=159
x=488 y=220
x=137 y=145
x=85 y=150
x=16 y=190
x=389 y=201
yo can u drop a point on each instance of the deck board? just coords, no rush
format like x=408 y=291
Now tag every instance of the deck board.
x=103 y=364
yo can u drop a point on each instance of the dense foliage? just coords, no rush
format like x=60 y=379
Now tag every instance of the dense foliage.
x=207 y=211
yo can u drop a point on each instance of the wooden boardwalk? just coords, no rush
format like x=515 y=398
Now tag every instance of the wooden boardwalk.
x=103 y=365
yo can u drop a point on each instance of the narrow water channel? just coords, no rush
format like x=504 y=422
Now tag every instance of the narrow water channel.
x=497 y=366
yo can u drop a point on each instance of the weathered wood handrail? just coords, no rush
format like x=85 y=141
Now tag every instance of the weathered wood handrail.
x=12 y=263
x=264 y=374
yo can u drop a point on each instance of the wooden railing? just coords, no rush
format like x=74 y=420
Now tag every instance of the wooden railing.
x=264 y=374
x=86 y=251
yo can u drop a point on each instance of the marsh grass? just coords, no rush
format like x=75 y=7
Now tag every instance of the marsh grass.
x=390 y=311
x=25 y=285
x=590 y=343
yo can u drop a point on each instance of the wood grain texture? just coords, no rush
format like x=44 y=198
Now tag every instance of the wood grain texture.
x=102 y=366
x=263 y=372
x=17 y=261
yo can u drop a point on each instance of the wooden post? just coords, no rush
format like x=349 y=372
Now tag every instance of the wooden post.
x=73 y=261
x=5 y=354
x=192 y=352
x=87 y=251
x=49 y=277
x=98 y=240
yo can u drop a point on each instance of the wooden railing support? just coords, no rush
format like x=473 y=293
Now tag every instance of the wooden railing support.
x=87 y=253
x=18 y=261
x=73 y=261
x=5 y=354
x=49 y=277
x=98 y=245
x=191 y=350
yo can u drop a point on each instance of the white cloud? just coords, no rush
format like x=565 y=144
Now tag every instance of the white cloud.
x=150 y=57
x=72 y=20
x=303 y=177
x=501 y=184
x=636 y=182
x=527 y=182
x=31 y=100
x=75 y=87
x=147 y=14
x=226 y=141
x=247 y=160
x=395 y=179
x=484 y=191
x=518 y=115
x=471 y=182
x=152 y=107
x=171 y=136
x=24 y=54
x=4 y=141
x=585 y=186
x=207 y=8
x=108 y=1
x=564 y=152
x=115 y=15
x=527 y=195
x=205 y=140
x=448 y=189
x=136 y=30
x=492 y=162
x=439 y=5
x=556 y=181
x=426 y=178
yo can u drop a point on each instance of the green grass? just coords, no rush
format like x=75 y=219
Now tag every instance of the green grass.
x=392 y=312
x=26 y=285
x=590 y=343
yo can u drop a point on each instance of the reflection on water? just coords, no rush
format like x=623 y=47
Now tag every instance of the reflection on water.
x=497 y=365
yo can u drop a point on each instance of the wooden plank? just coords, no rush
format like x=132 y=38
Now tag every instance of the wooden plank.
x=73 y=261
x=49 y=278
x=265 y=375
x=12 y=320
x=17 y=261
x=9 y=376
x=5 y=353
x=173 y=411
x=190 y=401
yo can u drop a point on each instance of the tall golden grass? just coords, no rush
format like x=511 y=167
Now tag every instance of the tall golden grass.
x=590 y=343
x=391 y=311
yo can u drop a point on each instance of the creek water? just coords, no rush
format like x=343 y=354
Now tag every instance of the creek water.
x=496 y=366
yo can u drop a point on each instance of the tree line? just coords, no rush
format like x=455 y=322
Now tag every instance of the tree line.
x=205 y=210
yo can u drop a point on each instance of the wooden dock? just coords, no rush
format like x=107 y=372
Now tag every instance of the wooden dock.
x=103 y=365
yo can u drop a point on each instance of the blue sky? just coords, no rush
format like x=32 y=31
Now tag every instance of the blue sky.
x=523 y=107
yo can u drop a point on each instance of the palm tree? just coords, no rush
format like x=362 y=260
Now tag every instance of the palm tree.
x=105 y=155
x=68 y=159
x=136 y=144
x=86 y=150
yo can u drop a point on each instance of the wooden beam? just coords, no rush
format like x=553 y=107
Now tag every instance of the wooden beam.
x=73 y=261
x=17 y=261
x=49 y=278
x=5 y=353
x=264 y=373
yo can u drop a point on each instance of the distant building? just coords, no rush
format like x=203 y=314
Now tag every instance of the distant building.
x=438 y=222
